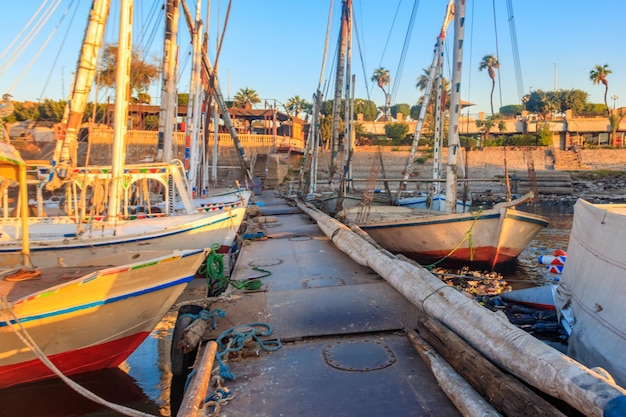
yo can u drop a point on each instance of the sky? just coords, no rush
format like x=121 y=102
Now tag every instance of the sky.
x=276 y=47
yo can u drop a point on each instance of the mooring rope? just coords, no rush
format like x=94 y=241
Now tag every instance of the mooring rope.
x=14 y=323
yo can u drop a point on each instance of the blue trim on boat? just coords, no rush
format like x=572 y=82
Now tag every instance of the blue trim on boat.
x=34 y=248
x=514 y=216
x=112 y=300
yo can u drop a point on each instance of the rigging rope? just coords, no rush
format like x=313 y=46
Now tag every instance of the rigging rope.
x=56 y=58
x=495 y=27
x=26 y=42
x=14 y=323
x=405 y=48
x=516 y=59
x=43 y=3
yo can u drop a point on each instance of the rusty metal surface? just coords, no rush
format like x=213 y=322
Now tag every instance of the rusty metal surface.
x=296 y=380
x=344 y=350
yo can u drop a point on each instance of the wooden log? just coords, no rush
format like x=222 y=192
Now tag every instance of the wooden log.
x=506 y=393
x=506 y=345
x=460 y=392
x=196 y=391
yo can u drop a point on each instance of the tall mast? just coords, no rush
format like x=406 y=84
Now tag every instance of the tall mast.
x=169 y=103
x=455 y=105
x=65 y=152
x=435 y=72
x=122 y=94
x=339 y=80
x=347 y=119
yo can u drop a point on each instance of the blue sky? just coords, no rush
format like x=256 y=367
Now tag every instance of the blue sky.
x=276 y=46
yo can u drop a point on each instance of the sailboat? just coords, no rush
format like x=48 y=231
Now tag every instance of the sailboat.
x=483 y=238
x=112 y=225
x=87 y=316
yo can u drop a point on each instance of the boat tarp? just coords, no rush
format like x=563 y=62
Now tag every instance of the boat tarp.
x=594 y=286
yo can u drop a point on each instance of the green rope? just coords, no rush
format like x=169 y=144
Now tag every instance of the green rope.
x=467 y=235
x=251 y=284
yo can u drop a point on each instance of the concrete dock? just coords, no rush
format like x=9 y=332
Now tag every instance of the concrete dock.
x=344 y=349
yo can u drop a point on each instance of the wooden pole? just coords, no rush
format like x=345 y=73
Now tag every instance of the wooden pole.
x=506 y=393
x=462 y=394
x=196 y=392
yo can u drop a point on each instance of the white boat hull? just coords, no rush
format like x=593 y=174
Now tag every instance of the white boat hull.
x=593 y=286
x=58 y=238
x=482 y=239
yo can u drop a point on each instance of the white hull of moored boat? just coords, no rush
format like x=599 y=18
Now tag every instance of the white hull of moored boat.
x=61 y=238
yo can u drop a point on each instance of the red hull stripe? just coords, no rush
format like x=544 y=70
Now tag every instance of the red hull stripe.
x=93 y=358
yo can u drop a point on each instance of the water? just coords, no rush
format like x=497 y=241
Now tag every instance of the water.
x=143 y=382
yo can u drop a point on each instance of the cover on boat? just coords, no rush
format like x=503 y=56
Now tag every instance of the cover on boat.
x=594 y=282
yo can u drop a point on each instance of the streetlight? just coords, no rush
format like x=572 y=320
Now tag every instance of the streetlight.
x=614 y=97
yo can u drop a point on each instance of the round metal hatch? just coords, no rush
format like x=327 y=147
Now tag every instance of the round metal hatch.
x=265 y=262
x=358 y=355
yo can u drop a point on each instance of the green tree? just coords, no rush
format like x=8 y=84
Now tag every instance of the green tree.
x=142 y=73
x=615 y=118
x=183 y=99
x=51 y=110
x=296 y=105
x=511 y=110
x=401 y=108
x=246 y=98
x=24 y=111
x=396 y=132
x=490 y=63
x=598 y=75
x=422 y=82
x=365 y=107
x=382 y=78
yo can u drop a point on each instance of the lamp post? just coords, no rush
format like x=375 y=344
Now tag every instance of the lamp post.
x=614 y=97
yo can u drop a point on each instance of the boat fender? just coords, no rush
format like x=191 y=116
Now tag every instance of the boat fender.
x=616 y=407
x=181 y=361
x=552 y=260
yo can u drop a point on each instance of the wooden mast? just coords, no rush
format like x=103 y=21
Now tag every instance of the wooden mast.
x=65 y=152
x=455 y=105
x=169 y=103
x=339 y=81
x=122 y=94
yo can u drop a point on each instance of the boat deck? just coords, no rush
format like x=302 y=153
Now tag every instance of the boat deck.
x=344 y=349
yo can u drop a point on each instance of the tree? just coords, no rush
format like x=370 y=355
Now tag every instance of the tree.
x=51 y=110
x=382 y=78
x=396 y=132
x=401 y=108
x=142 y=72
x=511 y=110
x=296 y=105
x=246 y=98
x=598 y=75
x=365 y=107
x=422 y=82
x=615 y=118
x=490 y=63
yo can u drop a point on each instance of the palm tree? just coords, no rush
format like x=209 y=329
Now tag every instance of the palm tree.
x=246 y=98
x=382 y=78
x=490 y=63
x=422 y=82
x=296 y=105
x=598 y=75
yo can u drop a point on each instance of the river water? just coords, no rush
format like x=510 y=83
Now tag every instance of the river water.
x=143 y=381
